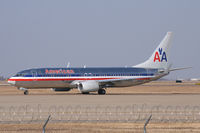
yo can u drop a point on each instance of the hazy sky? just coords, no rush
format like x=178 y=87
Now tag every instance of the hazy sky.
x=50 y=33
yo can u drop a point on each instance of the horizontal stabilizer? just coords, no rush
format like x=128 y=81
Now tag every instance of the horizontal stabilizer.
x=176 y=69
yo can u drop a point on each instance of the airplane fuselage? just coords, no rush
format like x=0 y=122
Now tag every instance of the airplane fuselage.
x=64 y=77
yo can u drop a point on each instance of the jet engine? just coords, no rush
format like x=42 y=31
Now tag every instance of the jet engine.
x=61 y=89
x=88 y=86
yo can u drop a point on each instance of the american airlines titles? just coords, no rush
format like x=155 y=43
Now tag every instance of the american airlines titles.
x=60 y=71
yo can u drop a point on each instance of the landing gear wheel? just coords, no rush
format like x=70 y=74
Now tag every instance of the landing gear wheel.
x=25 y=92
x=101 y=92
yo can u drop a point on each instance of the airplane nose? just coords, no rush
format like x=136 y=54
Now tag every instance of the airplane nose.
x=11 y=82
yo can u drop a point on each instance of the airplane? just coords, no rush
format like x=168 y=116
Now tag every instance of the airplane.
x=97 y=79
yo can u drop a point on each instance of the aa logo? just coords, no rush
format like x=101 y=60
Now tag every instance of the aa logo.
x=160 y=56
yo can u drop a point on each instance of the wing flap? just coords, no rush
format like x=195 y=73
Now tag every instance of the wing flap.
x=122 y=82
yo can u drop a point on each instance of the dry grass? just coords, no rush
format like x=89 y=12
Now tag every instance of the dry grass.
x=101 y=128
x=197 y=83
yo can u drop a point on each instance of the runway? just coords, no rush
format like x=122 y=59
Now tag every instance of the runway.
x=154 y=93
x=121 y=100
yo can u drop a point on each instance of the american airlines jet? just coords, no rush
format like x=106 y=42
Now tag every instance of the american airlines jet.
x=97 y=79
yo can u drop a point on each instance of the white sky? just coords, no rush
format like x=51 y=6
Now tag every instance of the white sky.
x=50 y=33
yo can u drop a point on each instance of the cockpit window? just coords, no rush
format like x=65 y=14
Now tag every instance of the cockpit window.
x=18 y=75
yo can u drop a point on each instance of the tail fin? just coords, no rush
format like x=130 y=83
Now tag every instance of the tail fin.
x=160 y=56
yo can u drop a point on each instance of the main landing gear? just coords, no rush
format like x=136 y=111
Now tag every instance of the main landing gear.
x=101 y=91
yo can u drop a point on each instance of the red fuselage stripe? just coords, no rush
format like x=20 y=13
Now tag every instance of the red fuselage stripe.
x=69 y=79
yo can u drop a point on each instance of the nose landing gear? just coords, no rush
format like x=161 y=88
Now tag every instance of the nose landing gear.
x=23 y=89
x=26 y=92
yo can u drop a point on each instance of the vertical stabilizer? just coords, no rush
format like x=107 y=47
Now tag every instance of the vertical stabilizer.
x=160 y=57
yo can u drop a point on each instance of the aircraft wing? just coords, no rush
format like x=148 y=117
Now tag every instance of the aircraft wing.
x=122 y=82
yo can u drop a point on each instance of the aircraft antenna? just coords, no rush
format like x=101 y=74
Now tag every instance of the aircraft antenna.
x=68 y=64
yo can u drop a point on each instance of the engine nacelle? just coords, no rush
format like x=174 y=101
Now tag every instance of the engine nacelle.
x=61 y=89
x=88 y=86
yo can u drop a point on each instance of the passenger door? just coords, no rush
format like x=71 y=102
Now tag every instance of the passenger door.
x=34 y=75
